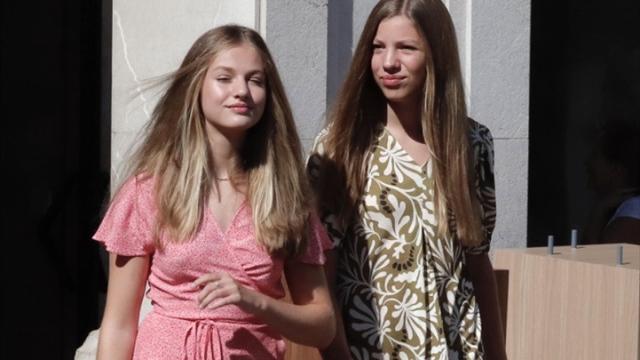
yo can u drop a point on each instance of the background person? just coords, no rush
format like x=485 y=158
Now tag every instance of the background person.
x=613 y=171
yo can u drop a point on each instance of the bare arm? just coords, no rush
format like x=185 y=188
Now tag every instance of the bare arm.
x=127 y=279
x=484 y=284
x=338 y=349
x=308 y=321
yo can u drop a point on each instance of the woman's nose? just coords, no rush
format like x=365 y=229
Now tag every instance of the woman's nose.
x=390 y=61
x=241 y=88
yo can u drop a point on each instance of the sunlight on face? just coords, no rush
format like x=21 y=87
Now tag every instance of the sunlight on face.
x=398 y=62
x=234 y=94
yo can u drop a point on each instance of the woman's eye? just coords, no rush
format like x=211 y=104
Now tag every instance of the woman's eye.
x=223 y=78
x=257 y=81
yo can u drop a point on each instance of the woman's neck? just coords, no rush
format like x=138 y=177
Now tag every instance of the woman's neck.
x=405 y=117
x=225 y=153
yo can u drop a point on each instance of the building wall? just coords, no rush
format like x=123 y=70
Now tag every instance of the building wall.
x=296 y=32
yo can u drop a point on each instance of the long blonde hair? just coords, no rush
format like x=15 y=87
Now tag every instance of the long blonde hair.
x=176 y=154
x=359 y=111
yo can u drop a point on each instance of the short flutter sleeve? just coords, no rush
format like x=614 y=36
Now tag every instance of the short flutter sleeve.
x=317 y=243
x=483 y=154
x=126 y=227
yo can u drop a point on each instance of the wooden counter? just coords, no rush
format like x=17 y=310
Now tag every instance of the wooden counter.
x=574 y=304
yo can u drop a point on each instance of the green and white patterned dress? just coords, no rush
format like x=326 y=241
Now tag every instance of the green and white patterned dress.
x=404 y=291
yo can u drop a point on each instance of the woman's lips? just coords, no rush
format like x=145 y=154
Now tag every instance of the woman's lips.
x=392 y=81
x=240 y=108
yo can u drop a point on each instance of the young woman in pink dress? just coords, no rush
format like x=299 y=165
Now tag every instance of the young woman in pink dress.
x=214 y=211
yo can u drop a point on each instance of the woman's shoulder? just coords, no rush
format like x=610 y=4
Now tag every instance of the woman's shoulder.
x=319 y=141
x=317 y=159
x=479 y=133
x=139 y=188
x=126 y=228
x=629 y=208
x=481 y=142
x=139 y=183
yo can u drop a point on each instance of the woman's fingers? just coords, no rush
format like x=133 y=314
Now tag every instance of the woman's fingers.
x=207 y=290
x=222 y=301
x=206 y=296
x=217 y=289
x=206 y=278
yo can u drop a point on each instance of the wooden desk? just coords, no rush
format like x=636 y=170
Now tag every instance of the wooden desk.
x=574 y=304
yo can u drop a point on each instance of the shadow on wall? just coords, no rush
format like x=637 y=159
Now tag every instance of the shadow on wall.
x=339 y=45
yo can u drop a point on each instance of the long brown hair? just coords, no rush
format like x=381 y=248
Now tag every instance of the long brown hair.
x=176 y=154
x=359 y=111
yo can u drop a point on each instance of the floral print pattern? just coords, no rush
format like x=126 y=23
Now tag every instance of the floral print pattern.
x=403 y=290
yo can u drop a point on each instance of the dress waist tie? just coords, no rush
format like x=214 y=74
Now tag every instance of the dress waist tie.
x=207 y=344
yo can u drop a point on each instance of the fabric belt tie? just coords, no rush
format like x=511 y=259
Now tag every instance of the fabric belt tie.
x=207 y=344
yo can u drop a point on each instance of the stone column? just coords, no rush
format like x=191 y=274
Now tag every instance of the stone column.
x=497 y=58
x=296 y=32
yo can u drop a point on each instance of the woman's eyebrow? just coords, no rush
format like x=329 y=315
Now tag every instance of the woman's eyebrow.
x=232 y=70
x=223 y=68
x=408 y=42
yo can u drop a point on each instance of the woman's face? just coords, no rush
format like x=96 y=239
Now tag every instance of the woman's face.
x=399 y=57
x=234 y=94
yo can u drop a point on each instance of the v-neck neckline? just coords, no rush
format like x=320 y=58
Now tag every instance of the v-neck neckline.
x=404 y=151
x=216 y=223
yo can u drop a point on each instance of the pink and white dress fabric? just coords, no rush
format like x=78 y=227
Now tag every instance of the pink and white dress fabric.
x=177 y=328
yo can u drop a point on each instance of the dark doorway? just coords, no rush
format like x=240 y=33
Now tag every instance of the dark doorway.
x=585 y=69
x=55 y=151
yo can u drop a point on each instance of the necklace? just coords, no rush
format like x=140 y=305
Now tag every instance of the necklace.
x=221 y=179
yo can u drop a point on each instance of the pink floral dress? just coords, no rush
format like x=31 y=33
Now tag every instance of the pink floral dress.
x=177 y=328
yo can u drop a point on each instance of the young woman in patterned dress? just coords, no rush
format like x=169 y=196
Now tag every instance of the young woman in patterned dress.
x=216 y=209
x=406 y=190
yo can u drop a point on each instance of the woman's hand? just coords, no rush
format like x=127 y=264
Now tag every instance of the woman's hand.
x=486 y=290
x=308 y=321
x=220 y=289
